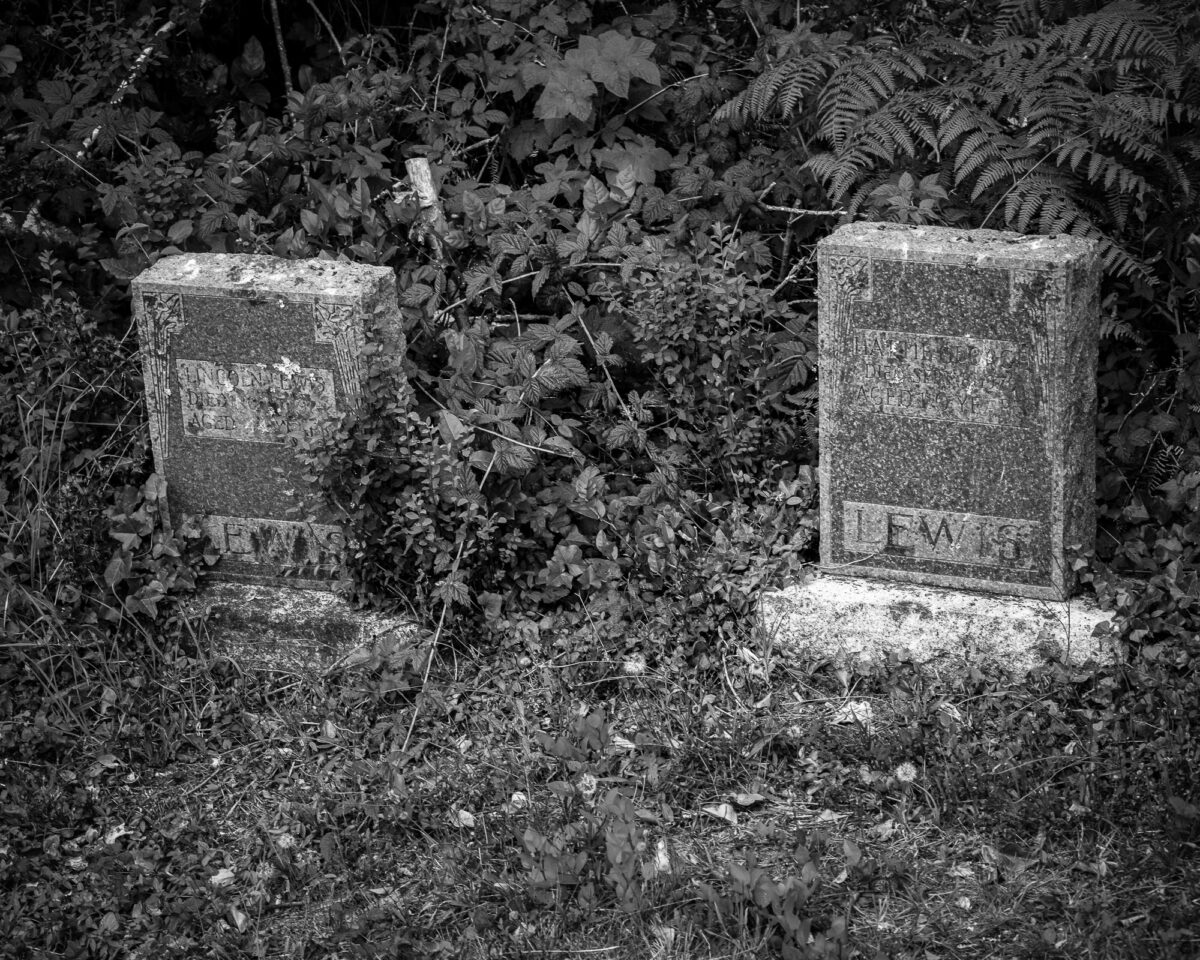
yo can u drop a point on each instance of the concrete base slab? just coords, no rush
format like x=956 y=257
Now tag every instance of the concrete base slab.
x=854 y=618
x=297 y=631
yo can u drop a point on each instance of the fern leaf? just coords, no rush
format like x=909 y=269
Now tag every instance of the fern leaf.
x=1122 y=30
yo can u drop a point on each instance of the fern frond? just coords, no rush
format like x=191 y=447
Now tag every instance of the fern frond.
x=1123 y=30
x=781 y=89
x=859 y=86
x=1111 y=327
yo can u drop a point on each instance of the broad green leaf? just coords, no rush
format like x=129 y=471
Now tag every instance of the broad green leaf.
x=568 y=93
x=10 y=56
x=613 y=60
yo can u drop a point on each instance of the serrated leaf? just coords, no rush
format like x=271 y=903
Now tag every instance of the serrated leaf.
x=1163 y=423
x=613 y=60
x=56 y=93
x=473 y=206
x=594 y=194
x=252 y=61
x=310 y=221
x=568 y=93
x=540 y=280
x=417 y=295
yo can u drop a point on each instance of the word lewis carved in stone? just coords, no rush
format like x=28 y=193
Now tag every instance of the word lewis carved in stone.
x=959 y=538
x=957 y=406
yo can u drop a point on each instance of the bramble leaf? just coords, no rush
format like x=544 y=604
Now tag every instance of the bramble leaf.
x=568 y=93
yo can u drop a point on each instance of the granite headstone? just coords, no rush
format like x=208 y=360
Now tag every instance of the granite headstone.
x=241 y=353
x=957 y=406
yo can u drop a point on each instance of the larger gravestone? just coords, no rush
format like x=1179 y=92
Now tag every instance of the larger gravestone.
x=241 y=354
x=957 y=406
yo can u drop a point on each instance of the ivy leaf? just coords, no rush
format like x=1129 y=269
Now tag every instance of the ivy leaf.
x=568 y=93
x=614 y=60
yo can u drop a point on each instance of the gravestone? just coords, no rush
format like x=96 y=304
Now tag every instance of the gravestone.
x=957 y=406
x=241 y=355
x=957 y=449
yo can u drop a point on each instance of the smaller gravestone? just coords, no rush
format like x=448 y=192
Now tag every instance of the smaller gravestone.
x=957 y=406
x=241 y=355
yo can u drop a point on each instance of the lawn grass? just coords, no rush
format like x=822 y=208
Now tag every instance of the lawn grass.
x=539 y=807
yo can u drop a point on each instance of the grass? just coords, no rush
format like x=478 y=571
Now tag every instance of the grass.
x=174 y=805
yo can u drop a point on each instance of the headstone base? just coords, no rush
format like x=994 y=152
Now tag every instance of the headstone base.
x=854 y=618
x=306 y=632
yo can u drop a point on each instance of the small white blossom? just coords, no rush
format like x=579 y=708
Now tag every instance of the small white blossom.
x=587 y=785
x=906 y=773
x=518 y=801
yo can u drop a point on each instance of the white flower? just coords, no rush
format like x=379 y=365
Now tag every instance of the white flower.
x=518 y=801
x=289 y=368
x=587 y=785
x=906 y=773
x=635 y=666
x=285 y=841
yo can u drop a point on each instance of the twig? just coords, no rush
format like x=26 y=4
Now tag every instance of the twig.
x=802 y=211
x=1027 y=174
x=283 y=60
x=659 y=92
x=329 y=30
x=525 y=276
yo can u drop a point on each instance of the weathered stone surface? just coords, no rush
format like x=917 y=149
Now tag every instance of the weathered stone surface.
x=847 y=618
x=241 y=353
x=308 y=632
x=957 y=406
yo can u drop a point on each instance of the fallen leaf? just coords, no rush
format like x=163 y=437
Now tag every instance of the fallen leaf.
x=115 y=833
x=722 y=811
x=748 y=799
x=854 y=711
x=462 y=818
x=222 y=878
x=881 y=831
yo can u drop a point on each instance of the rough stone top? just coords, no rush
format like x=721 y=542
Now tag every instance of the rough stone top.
x=948 y=245
x=250 y=275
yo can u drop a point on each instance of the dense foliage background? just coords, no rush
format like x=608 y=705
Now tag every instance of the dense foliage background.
x=607 y=408
x=611 y=350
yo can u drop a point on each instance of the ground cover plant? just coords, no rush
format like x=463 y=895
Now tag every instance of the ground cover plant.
x=603 y=452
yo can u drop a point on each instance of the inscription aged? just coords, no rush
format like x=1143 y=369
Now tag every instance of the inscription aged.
x=967 y=538
x=930 y=377
x=242 y=401
x=309 y=548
